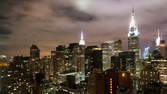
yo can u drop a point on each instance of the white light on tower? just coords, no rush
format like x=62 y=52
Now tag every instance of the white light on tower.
x=158 y=39
x=133 y=29
x=82 y=41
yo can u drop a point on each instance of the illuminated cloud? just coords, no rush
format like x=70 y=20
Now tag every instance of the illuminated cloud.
x=49 y=23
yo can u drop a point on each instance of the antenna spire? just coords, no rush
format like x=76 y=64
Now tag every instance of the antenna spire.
x=158 y=39
x=82 y=41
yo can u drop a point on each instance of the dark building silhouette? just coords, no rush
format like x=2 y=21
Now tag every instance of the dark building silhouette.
x=111 y=82
x=34 y=59
x=149 y=75
x=97 y=58
x=89 y=59
x=34 y=52
x=125 y=61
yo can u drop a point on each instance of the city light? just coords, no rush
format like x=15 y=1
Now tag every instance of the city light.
x=118 y=51
x=123 y=74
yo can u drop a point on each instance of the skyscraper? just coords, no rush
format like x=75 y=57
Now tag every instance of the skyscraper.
x=34 y=59
x=34 y=52
x=133 y=41
x=96 y=82
x=149 y=74
x=133 y=36
x=81 y=57
x=161 y=45
x=72 y=63
x=82 y=41
x=107 y=52
x=60 y=60
x=133 y=46
x=89 y=58
x=97 y=58
x=117 y=47
x=35 y=67
x=81 y=54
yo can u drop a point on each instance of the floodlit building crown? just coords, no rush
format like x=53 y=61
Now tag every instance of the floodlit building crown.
x=82 y=41
x=133 y=29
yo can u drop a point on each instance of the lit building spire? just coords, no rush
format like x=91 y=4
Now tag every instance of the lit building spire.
x=133 y=29
x=82 y=41
x=158 y=39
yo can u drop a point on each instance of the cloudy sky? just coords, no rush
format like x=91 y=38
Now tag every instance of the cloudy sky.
x=49 y=23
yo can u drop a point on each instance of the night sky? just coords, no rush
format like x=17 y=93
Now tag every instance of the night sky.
x=49 y=23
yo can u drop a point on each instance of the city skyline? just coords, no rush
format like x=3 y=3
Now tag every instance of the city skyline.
x=59 y=22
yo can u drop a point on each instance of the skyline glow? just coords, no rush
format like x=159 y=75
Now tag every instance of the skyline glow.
x=49 y=23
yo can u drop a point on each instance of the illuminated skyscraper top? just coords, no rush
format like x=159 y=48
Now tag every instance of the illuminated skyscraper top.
x=133 y=29
x=158 y=39
x=82 y=41
x=134 y=43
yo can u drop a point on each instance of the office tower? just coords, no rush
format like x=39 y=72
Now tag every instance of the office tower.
x=160 y=45
x=124 y=62
x=19 y=76
x=133 y=42
x=53 y=55
x=118 y=82
x=115 y=63
x=96 y=82
x=133 y=46
x=148 y=75
x=34 y=59
x=127 y=60
x=81 y=59
x=81 y=54
x=133 y=36
x=34 y=52
x=103 y=82
x=20 y=64
x=154 y=88
x=52 y=61
x=97 y=58
x=161 y=66
x=111 y=81
x=4 y=75
x=78 y=58
x=107 y=52
x=125 y=83
x=89 y=59
x=72 y=56
x=59 y=60
x=47 y=67
x=163 y=49
x=117 y=47
x=70 y=80
x=78 y=61
x=156 y=54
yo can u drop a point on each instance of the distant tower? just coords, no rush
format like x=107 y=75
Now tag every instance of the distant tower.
x=34 y=60
x=133 y=46
x=34 y=52
x=161 y=45
x=133 y=37
x=82 y=41
x=107 y=52
x=158 y=39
